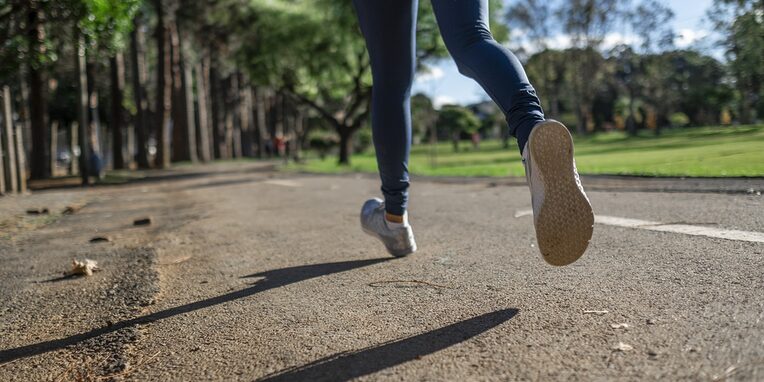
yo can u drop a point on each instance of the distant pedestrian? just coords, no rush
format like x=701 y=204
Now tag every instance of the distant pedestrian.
x=475 y=140
x=563 y=217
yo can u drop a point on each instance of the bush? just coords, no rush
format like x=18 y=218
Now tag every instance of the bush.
x=363 y=140
x=679 y=119
x=322 y=141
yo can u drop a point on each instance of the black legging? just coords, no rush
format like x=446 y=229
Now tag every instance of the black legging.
x=389 y=27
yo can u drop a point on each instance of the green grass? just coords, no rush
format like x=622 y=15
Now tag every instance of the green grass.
x=706 y=151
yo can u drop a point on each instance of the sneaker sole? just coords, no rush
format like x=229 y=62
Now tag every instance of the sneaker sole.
x=565 y=221
x=397 y=253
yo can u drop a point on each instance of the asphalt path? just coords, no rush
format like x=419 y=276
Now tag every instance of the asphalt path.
x=249 y=274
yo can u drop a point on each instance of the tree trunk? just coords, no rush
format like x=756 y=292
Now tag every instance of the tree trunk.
x=204 y=119
x=346 y=144
x=582 y=120
x=10 y=145
x=233 y=124
x=262 y=128
x=299 y=134
x=247 y=132
x=180 y=141
x=631 y=127
x=164 y=89
x=74 y=164
x=218 y=115
x=21 y=159
x=140 y=123
x=95 y=120
x=188 y=97
x=53 y=146
x=117 y=64
x=23 y=110
x=82 y=110
x=2 y=171
x=38 y=108
x=278 y=122
x=554 y=104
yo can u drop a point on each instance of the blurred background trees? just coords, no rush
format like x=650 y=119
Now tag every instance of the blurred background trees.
x=101 y=84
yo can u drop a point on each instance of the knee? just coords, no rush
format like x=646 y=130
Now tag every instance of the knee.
x=461 y=40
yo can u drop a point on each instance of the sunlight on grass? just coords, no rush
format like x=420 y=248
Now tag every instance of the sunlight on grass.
x=708 y=151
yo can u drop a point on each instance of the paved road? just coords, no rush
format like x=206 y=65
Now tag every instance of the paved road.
x=245 y=274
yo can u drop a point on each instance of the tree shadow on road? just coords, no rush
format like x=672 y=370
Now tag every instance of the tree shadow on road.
x=272 y=279
x=346 y=366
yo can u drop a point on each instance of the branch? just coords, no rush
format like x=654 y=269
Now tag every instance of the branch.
x=307 y=101
x=359 y=119
x=358 y=93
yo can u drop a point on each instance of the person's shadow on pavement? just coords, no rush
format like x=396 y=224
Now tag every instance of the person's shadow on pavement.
x=346 y=366
x=272 y=279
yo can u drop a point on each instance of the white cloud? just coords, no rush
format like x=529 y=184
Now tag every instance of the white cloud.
x=687 y=37
x=433 y=73
x=441 y=100
x=563 y=41
x=614 y=39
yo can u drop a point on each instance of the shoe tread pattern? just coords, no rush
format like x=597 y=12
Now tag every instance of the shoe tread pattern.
x=565 y=223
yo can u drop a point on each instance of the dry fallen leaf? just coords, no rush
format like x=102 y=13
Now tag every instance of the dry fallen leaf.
x=597 y=312
x=85 y=267
x=623 y=347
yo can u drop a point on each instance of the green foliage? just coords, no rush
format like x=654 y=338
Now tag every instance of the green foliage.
x=363 y=139
x=423 y=116
x=679 y=119
x=457 y=120
x=741 y=22
x=322 y=141
x=107 y=23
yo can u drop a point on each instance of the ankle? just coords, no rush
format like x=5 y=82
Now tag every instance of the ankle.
x=396 y=221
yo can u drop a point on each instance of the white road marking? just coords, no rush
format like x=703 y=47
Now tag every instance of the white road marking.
x=283 y=183
x=687 y=229
x=729 y=234
x=521 y=213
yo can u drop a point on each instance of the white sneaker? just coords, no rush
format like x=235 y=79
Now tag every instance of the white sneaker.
x=398 y=241
x=562 y=213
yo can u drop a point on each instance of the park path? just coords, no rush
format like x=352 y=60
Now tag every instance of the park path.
x=250 y=274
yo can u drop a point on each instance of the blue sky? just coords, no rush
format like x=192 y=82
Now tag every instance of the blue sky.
x=444 y=84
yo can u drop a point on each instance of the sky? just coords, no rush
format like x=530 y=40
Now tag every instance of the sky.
x=445 y=85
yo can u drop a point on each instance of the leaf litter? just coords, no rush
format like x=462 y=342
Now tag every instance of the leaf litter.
x=83 y=268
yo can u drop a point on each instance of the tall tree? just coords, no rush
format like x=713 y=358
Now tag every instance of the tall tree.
x=587 y=23
x=291 y=53
x=741 y=23
x=117 y=65
x=534 y=19
x=164 y=86
x=202 y=79
x=139 y=74
x=38 y=93
x=457 y=120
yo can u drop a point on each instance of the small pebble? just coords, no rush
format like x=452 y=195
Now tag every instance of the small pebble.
x=623 y=347
x=143 y=221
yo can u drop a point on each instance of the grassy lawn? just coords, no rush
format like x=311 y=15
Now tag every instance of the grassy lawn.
x=707 y=151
